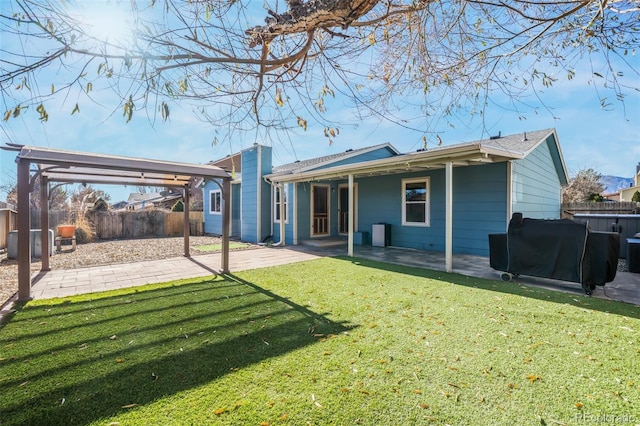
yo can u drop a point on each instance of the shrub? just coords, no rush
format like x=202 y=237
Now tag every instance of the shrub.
x=84 y=230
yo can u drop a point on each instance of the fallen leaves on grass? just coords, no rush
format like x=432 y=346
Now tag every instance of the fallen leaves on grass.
x=533 y=378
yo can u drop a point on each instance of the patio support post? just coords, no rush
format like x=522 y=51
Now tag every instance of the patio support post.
x=282 y=213
x=448 y=216
x=226 y=214
x=186 y=228
x=24 y=230
x=44 y=223
x=295 y=213
x=509 y=192
x=351 y=214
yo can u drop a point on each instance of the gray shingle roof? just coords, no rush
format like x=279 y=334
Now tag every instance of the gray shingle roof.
x=516 y=143
x=521 y=142
x=326 y=159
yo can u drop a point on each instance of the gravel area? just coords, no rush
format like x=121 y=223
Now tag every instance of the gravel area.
x=102 y=253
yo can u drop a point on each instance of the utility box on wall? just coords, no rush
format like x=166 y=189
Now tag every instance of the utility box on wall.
x=381 y=234
x=36 y=244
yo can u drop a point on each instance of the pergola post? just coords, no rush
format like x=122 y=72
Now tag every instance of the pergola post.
x=186 y=228
x=24 y=231
x=44 y=223
x=226 y=215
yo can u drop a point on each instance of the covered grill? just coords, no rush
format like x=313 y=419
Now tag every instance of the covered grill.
x=558 y=249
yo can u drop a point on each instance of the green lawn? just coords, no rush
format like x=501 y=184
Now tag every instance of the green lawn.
x=331 y=341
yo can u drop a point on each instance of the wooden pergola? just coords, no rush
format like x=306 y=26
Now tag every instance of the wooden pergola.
x=54 y=165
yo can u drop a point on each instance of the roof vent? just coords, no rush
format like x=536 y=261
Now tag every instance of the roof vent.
x=349 y=150
x=496 y=137
x=524 y=138
x=297 y=161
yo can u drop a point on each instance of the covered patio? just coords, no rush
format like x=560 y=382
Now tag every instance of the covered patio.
x=444 y=158
x=62 y=166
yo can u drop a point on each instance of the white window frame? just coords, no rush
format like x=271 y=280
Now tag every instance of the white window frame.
x=218 y=204
x=427 y=202
x=276 y=204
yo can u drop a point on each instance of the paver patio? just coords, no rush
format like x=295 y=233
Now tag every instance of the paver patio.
x=62 y=283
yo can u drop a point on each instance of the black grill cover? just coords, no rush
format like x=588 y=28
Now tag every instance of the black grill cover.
x=547 y=248
x=557 y=249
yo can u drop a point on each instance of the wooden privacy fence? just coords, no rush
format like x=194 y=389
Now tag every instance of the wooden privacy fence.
x=624 y=207
x=127 y=224
x=8 y=223
x=157 y=223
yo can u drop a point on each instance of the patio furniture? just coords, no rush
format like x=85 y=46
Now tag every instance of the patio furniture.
x=71 y=240
x=558 y=249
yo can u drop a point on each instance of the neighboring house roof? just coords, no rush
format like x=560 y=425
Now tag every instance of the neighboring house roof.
x=152 y=198
x=327 y=160
x=498 y=149
x=230 y=163
x=119 y=205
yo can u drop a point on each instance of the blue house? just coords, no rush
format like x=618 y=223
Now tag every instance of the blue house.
x=444 y=199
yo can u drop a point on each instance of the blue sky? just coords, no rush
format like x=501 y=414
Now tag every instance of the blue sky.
x=607 y=140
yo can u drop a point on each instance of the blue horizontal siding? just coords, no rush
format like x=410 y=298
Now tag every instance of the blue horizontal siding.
x=479 y=208
x=249 y=194
x=537 y=191
x=212 y=222
x=303 y=195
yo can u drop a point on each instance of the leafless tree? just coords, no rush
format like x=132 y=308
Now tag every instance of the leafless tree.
x=583 y=187
x=393 y=59
x=58 y=195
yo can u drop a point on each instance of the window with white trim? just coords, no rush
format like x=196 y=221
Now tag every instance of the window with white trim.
x=276 y=204
x=215 y=201
x=415 y=202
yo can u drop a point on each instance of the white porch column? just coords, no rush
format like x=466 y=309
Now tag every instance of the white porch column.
x=282 y=212
x=295 y=212
x=448 y=245
x=509 y=191
x=351 y=214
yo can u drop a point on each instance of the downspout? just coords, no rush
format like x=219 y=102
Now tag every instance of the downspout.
x=281 y=188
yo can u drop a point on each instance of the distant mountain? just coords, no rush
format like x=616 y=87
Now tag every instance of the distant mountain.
x=615 y=183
